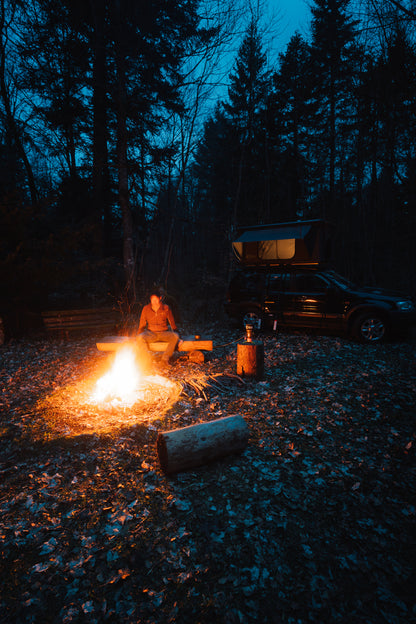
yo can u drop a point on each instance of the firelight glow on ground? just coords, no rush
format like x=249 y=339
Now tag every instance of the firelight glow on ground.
x=125 y=384
x=122 y=396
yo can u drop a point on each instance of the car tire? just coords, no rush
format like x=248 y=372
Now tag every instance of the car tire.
x=370 y=328
x=252 y=317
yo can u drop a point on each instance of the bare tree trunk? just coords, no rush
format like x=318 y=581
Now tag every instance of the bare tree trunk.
x=100 y=170
x=129 y=260
x=10 y=120
x=332 y=147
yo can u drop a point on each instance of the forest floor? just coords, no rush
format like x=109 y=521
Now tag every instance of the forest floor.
x=313 y=522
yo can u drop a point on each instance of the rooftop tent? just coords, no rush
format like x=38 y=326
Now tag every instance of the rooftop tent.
x=300 y=242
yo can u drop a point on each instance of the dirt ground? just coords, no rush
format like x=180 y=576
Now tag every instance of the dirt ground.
x=312 y=522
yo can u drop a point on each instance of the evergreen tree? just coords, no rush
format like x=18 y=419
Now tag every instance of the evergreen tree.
x=148 y=46
x=247 y=114
x=388 y=106
x=214 y=196
x=289 y=115
x=231 y=163
x=55 y=59
x=334 y=57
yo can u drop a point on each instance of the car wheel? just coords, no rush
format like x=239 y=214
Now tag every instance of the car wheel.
x=252 y=317
x=370 y=328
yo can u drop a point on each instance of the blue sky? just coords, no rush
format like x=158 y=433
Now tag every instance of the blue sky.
x=289 y=16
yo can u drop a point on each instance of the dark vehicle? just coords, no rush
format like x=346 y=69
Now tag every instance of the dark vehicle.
x=304 y=297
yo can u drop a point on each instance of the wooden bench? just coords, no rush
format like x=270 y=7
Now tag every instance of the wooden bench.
x=63 y=322
x=189 y=343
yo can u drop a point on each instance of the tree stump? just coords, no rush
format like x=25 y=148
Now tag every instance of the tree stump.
x=196 y=445
x=196 y=356
x=250 y=359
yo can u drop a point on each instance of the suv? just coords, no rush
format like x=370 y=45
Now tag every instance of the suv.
x=316 y=298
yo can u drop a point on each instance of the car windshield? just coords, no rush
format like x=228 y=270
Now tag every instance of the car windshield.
x=341 y=281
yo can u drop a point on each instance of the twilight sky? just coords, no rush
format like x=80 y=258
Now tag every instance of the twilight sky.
x=289 y=16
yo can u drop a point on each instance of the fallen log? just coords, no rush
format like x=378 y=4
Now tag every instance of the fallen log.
x=199 y=444
x=250 y=359
x=113 y=343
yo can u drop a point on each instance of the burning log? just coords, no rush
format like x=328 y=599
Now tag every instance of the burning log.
x=196 y=445
x=250 y=359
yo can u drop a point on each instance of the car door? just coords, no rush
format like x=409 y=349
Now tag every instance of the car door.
x=305 y=300
x=275 y=292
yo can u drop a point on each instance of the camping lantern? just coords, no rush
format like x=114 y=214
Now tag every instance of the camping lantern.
x=249 y=332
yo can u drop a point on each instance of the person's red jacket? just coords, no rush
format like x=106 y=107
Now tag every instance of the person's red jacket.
x=156 y=321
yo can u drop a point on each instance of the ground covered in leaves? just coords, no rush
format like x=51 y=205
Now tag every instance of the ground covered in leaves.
x=313 y=522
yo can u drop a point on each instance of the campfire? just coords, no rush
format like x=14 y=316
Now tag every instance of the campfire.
x=102 y=396
x=121 y=382
x=125 y=383
x=124 y=395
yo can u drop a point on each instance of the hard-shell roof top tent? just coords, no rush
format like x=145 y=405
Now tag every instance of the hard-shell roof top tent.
x=296 y=243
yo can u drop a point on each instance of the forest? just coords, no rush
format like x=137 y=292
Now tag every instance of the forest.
x=136 y=139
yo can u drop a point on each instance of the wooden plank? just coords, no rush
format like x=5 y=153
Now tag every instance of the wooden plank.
x=91 y=324
x=80 y=312
x=113 y=343
x=88 y=313
x=86 y=319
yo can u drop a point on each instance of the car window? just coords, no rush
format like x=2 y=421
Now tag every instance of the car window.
x=341 y=281
x=305 y=282
x=277 y=283
x=253 y=282
x=249 y=283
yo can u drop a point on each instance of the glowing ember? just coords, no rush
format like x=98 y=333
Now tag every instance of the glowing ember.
x=125 y=384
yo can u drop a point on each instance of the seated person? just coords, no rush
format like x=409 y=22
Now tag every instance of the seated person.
x=154 y=327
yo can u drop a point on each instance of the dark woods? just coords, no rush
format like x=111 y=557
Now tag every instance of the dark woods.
x=110 y=182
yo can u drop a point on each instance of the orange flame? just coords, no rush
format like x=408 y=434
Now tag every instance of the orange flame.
x=125 y=384
x=122 y=381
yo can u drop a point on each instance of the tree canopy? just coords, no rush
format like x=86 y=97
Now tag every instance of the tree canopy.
x=120 y=165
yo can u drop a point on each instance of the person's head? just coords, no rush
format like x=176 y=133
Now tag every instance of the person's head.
x=155 y=299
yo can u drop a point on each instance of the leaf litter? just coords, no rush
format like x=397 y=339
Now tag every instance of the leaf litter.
x=313 y=522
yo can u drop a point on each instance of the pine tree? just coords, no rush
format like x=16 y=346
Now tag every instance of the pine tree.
x=149 y=42
x=388 y=128
x=103 y=78
x=289 y=115
x=334 y=57
x=213 y=205
x=247 y=113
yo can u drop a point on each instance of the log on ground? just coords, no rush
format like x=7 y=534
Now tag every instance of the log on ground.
x=189 y=447
x=113 y=343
